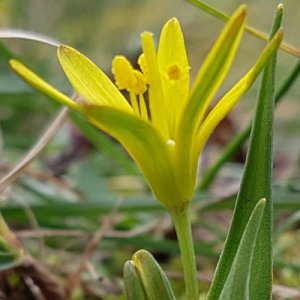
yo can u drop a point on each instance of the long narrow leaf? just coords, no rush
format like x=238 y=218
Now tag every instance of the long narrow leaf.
x=256 y=184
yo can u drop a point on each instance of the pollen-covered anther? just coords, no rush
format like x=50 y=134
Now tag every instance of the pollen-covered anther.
x=174 y=72
x=126 y=77
x=138 y=85
x=123 y=72
x=143 y=65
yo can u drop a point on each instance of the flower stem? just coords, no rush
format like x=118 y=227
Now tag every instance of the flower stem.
x=182 y=224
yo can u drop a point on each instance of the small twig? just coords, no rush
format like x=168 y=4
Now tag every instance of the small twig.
x=50 y=233
x=34 y=289
x=81 y=233
x=33 y=223
x=44 y=176
x=93 y=273
x=91 y=247
x=284 y=292
x=36 y=149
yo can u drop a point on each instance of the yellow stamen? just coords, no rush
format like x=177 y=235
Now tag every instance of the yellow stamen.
x=143 y=108
x=138 y=86
x=143 y=65
x=134 y=103
x=127 y=78
x=123 y=72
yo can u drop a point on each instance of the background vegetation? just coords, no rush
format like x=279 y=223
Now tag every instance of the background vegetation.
x=83 y=179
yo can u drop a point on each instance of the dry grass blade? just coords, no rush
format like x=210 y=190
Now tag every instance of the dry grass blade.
x=10 y=33
x=36 y=149
x=107 y=224
x=261 y=35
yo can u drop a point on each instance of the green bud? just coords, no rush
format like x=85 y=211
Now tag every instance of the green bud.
x=154 y=280
x=132 y=285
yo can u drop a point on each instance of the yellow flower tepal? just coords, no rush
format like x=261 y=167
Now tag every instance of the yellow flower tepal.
x=164 y=132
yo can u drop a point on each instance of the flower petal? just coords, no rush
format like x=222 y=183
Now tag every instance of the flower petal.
x=156 y=94
x=208 y=80
x=232 y=97
x=89 y=81
x=41 y=85
x=145 y=145
x=174 y=70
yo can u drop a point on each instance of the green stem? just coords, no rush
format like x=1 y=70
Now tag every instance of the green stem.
x=182 y=224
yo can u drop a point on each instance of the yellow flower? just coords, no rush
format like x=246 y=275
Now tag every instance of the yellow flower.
x=165 y=131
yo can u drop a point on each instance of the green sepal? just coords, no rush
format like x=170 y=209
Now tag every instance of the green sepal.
x=145 y=145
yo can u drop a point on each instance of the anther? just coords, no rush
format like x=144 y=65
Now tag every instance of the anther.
x=174 y=72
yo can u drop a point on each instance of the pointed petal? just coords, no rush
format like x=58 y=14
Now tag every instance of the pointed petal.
x=208 y=80
x=89 y=81
x=146 y=147
x=156 y=95
x=232 y=97
x=35 y=81
x=216 y=65
x=174 y=70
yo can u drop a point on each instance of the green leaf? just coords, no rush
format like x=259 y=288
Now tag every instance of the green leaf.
x=152 y=277
x=132 y=284
x=237 y=285
x=256 y=184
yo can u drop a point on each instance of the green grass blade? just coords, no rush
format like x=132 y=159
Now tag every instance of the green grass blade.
x=256 y=184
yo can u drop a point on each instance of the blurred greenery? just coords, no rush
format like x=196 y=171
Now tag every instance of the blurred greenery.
x=82 y=175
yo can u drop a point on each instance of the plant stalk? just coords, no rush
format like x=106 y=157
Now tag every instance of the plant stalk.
x=182 y=224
